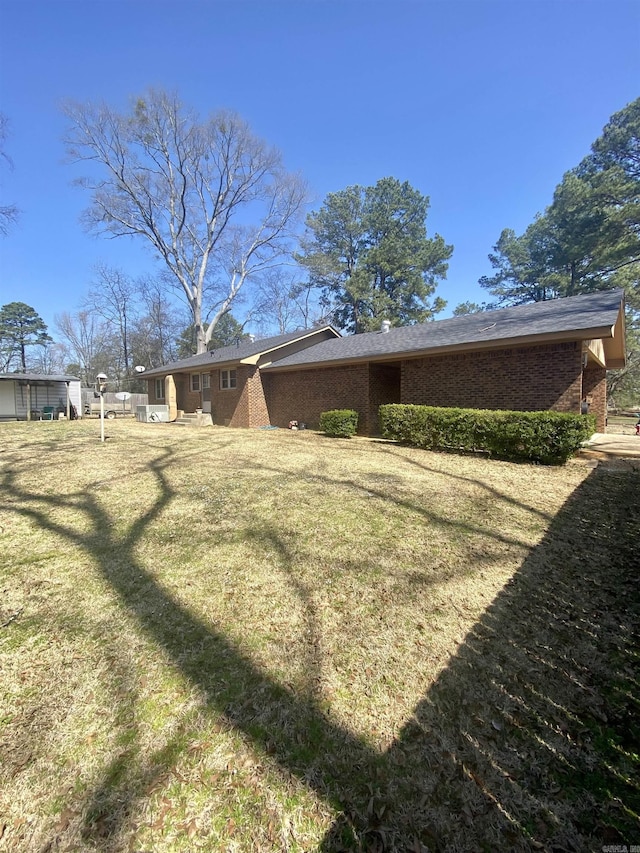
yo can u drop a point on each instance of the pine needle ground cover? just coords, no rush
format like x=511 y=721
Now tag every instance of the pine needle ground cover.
x=235 y=640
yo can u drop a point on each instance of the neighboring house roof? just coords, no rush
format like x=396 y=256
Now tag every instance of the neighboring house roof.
x=592 y=316
x=244 y=352
x=39 y=377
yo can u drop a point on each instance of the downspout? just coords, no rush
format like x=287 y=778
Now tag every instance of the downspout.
x=68 y=384
x=28 y=400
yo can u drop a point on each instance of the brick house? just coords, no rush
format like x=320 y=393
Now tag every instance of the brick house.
x=227 y=382
x=535 y=357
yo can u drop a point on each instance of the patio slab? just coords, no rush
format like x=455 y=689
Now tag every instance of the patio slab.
x=612 y=446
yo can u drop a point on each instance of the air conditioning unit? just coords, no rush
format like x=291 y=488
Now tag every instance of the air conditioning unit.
x=152 y=414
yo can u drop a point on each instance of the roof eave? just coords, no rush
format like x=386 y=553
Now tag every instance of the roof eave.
x=164 y=370
x=254 y=359
x=615 y=347
x=502 y=343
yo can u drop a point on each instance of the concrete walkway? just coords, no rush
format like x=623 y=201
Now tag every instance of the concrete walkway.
x=612 y=446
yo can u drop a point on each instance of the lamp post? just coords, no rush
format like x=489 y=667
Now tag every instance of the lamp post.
x=101 y=384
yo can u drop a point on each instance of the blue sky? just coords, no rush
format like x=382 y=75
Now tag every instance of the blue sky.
x=480 y=105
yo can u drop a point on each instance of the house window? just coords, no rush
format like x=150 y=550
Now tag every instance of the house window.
x=195 y=381
x=227 y=379
x=206 y=381
x=159 y=389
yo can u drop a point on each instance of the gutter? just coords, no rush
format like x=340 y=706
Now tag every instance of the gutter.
x=494 y=343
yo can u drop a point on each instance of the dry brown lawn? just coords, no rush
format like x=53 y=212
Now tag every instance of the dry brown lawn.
x=234 y=640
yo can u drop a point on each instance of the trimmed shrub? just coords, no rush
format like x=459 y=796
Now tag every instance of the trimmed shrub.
x=340 y=423
x=549 y=438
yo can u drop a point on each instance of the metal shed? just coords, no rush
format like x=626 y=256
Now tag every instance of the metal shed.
x=23 y=396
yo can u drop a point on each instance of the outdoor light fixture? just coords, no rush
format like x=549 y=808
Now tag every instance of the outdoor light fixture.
x=101 y=385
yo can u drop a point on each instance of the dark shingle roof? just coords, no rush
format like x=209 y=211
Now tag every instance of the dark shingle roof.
x=39 y=377
x=558 y=316
x=231 y=354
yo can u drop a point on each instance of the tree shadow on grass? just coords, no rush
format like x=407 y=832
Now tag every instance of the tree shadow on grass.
x=288 y=727
x=527 y=739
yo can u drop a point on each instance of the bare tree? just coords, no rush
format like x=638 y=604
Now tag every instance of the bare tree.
x=314 y=309
x=89 y=344
x=49 y=359
x=157 y=330
x=285 y=302
x=275 y=302
x=211 y=199
x=113 y=297
x=8 y=212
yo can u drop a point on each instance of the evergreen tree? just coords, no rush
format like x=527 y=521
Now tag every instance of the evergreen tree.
x=20 y=327
x=589 y=237
x=367 y=250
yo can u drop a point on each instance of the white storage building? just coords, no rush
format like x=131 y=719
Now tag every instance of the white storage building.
x=21 y=393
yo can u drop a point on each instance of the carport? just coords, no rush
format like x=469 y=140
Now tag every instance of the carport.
x=23 y=396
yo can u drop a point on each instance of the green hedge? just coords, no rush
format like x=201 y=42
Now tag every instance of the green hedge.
x=341 y=423
x=546 y=437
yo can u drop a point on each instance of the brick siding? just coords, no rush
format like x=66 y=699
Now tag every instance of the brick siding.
x=522 y=378
x=243 y=406
x=533 y=378
x=594 y=387
x=384 y=387
x=228 y=406
x=187 y=400
x=258 y=411
x=302 y=395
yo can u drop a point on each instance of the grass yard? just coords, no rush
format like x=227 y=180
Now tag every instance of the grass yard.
x=622 y=424
x=234 y=640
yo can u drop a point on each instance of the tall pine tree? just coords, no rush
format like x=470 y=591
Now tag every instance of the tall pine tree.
x=20 y=327
x=367 y=250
